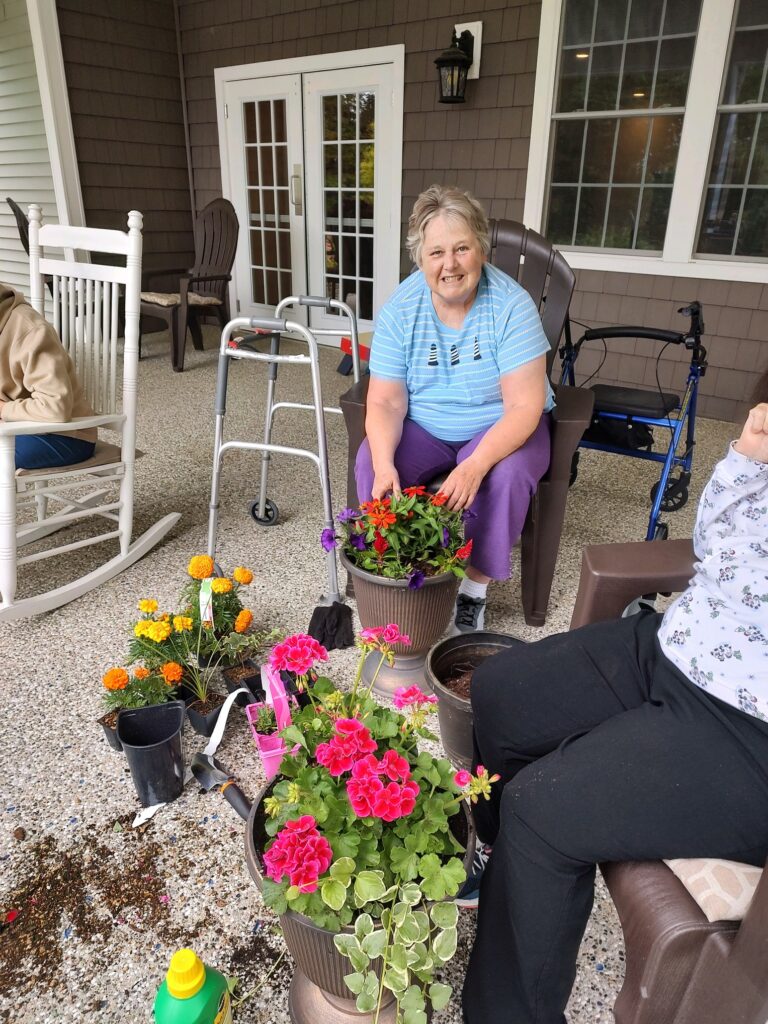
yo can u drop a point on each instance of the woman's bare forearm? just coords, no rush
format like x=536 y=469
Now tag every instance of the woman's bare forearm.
x=384 y=428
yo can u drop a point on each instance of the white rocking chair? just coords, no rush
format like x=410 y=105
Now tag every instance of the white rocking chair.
x=85 y=314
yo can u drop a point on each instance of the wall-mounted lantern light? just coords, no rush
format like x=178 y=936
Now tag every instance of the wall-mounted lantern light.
x=452 y=67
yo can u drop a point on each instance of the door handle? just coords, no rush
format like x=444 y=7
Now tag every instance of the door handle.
x=296 y=191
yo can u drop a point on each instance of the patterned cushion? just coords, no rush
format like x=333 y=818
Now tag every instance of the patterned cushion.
x=173 y=299
x=723 y=889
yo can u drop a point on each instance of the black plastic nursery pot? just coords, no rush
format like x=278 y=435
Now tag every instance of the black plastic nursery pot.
x=247 y=675
x=448 y=659
x=151 y=739
x=203 y=723
x=110 y=731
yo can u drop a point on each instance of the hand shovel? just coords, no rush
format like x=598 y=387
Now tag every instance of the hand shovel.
x=211 y=775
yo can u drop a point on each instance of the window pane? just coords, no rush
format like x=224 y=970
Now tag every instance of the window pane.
x=752 y=12
x=332 y=254
x=365 y=312
x=654 y=210
x=265 y=121
x=718 y=226
x=366 y=257
x=332 y=210
x=349 y=116
x=578 y=22
x=249 y=119
x=682 y=16
x=566 y=159
x=267 y=170
x=753 y=231
x=638 y=75
x=598 y=155
x=252 y=160
x=572 y=87
x=745 y=71
x=367 y=109
x=330 y=118
x=589 y=225
x=604 y=77
x=732 y=148
x=366 y=166
x=366 y=213
x=349 y=165
x=622 y=214
x=562 y=208
x=645 y=18
x=662 y=152
x=611 y=21
x=279 y=106
x=630 y=149
x=331 y=164
x=675 y=59
x=758 y=174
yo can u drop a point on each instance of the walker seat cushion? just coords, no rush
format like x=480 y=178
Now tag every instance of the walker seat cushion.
x=634 y=401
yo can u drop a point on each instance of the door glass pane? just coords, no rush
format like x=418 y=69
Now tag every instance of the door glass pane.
x=349 y=169
x=266 y=158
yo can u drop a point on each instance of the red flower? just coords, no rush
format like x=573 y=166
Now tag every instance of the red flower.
x=379 y=544
x=395 y=767
x=415 y=492
x=300 y=852
x=465 y=551
x=439 y=498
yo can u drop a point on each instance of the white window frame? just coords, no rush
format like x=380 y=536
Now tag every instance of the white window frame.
x=394 y=55
x=708 y=68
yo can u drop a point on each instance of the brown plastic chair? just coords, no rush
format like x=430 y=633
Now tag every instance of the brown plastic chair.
x=216 y=231
x=545 y=275
x=680 y=968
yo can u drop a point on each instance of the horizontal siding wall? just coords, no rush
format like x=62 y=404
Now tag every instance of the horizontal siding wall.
x=122 y=70
x=25 y=165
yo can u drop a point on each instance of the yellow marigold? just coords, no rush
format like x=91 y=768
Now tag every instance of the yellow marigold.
x=142 y=627
x=200 y=567
x=242 y=575
x=182 y=622
x=172 y=672
x=243 y=621
x=221 y=585
x=158 y=631
x=207 y=624
x=148 y=606
x=141 y=672
x=115 y=679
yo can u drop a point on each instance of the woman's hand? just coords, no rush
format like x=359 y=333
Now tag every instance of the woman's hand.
x=385 y=481
x=462 y=484
x=754 y=437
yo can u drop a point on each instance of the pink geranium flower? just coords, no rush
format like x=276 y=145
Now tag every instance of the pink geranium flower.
x=412 y=697
x=297 y=654
x=391 y=635
x=300 y=852
x=462 y=778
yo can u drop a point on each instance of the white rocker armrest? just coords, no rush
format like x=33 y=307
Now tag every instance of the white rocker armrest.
x=20 y=427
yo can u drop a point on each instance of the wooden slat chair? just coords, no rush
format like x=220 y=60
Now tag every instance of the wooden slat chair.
x=683 y=965
x=530 y=259
x=85 y=315
x=216 y=231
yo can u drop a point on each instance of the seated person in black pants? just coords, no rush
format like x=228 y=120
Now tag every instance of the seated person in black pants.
x=638 y=739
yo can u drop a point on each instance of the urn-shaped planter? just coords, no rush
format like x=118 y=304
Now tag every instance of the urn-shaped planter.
x=452 y=661
x=318 y=993
x=423 y=614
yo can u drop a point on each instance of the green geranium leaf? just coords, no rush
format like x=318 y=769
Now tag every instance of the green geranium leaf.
x=274 y=896
x=363 y=926
x=439 y=995
x=375 y=943
x=342 y=869
x=369 y=886
x=345 y=845
x=444 y=945
x=445 y=915
x=354 y=983
x=293 y=735
x=333 y=893
x=429 y=865
x=404 y=863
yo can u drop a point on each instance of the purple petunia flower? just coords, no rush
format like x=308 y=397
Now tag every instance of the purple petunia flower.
x=446 y=537
x=357 y=540
x=468 y=514
x=328 y=539
x=347 y=514
x=416 y=579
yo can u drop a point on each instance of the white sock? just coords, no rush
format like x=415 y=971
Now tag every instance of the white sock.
x=472 y=589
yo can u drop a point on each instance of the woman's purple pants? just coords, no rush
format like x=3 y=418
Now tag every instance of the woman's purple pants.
x=501 y=504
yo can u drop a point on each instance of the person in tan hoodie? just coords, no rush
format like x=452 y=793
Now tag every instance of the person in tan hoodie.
x=38 y=383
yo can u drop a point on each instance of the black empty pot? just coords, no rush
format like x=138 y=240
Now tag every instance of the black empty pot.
x=151 y=741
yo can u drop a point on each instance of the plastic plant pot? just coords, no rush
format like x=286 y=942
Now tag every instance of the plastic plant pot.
x=203 y=723
x=151 y=740
x=270 y=746
x=110 y=731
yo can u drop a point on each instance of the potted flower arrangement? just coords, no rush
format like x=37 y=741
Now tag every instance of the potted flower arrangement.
x=136 y=689
x=357 y=844
x=406 y=557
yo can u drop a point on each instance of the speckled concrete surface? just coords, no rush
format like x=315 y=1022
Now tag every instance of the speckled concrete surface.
x=113 y=903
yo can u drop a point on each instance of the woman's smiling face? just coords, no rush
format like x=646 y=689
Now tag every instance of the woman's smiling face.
x=452 y=260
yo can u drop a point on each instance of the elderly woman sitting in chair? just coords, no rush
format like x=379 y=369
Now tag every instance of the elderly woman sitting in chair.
x=38 y=382
x=459 y=385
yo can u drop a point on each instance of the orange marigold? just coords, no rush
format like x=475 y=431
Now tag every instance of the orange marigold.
x=243 y=621
x=141 y=672
x=221 y=585
x=115 y=679
x=242 y=575
x=172 y=672
x=148 y=606
x=200 y=567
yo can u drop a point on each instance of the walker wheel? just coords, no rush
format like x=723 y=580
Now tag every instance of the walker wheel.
x=271 y=513
x=661 y=532
x=675 y=493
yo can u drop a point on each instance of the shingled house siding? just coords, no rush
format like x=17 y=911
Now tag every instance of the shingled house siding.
x=122 y=71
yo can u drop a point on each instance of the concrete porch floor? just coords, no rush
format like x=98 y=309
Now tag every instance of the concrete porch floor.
x=102 y=906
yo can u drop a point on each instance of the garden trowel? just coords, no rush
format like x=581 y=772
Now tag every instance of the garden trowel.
x=210 y=774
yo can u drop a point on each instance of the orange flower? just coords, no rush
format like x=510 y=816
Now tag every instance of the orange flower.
x=415 y=491
x=115 y=679
x=439 y=498
x=200 y=567
x=242 y=575
x=221 y=585
x=381 y=520
x=172 y=672
x=243 y=621
x=141 y=672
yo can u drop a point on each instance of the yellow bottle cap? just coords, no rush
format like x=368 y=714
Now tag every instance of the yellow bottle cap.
x=186 y=974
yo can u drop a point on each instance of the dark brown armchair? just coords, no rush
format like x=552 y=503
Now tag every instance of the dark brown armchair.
x=680 y=967
x=216 y=231
x=545 y=275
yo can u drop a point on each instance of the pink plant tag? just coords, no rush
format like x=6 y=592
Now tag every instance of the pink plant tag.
x=274 y=694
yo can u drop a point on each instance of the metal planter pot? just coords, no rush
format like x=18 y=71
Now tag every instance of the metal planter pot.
x=318 y=993
x=449 y=658
x=423 y=614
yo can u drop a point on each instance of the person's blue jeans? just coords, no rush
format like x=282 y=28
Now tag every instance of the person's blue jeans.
x=47 y=451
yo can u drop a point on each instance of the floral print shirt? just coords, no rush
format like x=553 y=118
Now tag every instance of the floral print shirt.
x=716 y=632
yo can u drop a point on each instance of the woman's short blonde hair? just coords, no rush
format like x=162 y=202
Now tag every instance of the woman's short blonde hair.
x=454 y=203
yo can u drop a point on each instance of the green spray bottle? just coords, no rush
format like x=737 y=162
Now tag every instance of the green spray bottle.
x=192 y=993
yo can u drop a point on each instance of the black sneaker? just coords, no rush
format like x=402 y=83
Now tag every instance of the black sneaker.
x=468 y=895
x=469 y=614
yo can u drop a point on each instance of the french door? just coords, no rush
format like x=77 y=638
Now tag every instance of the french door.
x=314 y=173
